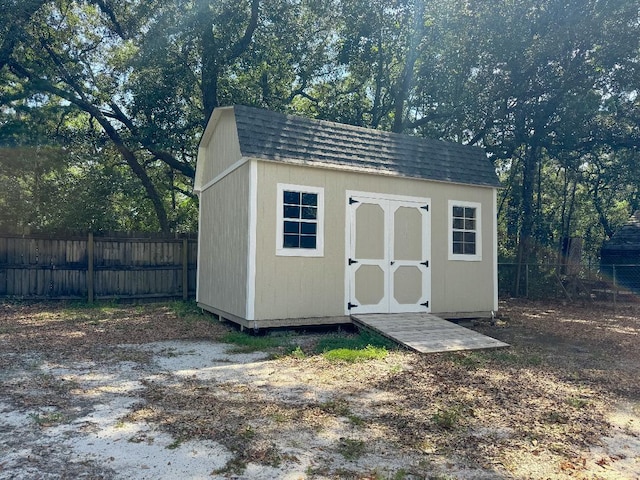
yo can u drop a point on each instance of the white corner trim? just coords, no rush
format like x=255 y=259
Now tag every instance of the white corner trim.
x=299 y=252
x=224 y=173
x=464 y=257
x=198 y=263
x=495 y=250
x=251 y=254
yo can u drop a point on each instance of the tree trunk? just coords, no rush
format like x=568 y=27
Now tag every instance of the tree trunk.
x=525 y=240
x=210 y=70
x=406 y=79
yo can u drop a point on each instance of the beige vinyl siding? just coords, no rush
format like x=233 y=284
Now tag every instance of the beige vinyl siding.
x=224 y=237
x=292 y=287
x=221 y=150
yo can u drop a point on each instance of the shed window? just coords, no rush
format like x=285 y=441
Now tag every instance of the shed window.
x=299 y=231
x=464 y=231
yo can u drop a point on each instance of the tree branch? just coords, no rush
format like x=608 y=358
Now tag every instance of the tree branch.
x=27 y=9
x=186 y=169
x=242 y=44
x=107 y=9
x=112 y=133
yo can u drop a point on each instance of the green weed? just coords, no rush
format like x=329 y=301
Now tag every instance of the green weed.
x=355 y=420
x=174 y=445
x=356 y=355
x=467 y=360
x=297 y=353
x=245 y=343
x=577 y=402
x=184 y=309
x=47 y=419
x=351 y=449
x=556 y=417
x=105 y=306
x=354 y=342
x=338 y=407
x=448 y=418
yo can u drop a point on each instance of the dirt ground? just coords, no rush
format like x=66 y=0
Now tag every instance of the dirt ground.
x=150 y=391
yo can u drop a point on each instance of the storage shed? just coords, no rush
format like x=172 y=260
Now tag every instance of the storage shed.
x=621 y=254
x=305 y=222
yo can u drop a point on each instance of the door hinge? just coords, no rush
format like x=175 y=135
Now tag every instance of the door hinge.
x=425 y=263
x=425 y=207
x=352 y=201
x=425 y=304
x=351 y=305
x=352 y=261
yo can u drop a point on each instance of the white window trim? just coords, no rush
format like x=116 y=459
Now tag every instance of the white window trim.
x=460 y=256
x=299 y=252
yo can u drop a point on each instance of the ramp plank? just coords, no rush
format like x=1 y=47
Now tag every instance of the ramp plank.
x=427 y=333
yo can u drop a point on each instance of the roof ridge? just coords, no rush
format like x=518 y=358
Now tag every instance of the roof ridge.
x=280 y=136
x=364 y=130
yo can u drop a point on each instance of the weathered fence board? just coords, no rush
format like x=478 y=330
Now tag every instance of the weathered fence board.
x=96 y=267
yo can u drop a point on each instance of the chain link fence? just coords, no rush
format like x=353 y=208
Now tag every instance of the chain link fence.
x=569 y=281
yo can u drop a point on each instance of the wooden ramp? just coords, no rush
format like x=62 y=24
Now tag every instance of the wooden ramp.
x=426 y=333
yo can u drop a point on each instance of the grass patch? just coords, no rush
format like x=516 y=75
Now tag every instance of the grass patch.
x=336 y=407
x=297 y=353
x=448 y=418
x=47 y=419
x=351 y=449
x=340 y=407
x=467 y=360
x=356 y=420
x=356 y=355
x=105 y=306
x=245 y=343
x=354 y=342
x=366 y=345
x=234 y=466
x=185 y=309
x=577 y=402
x=174 y=445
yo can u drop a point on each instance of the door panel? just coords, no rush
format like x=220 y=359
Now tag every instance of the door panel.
x=368 y=269
x=370 y=230
x=407 y=234
x=370 y=288
x=388 y=255
x=409 y=283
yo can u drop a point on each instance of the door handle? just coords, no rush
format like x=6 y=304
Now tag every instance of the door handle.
x=392 y=262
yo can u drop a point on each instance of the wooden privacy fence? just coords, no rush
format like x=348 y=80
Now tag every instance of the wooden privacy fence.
x=97 y=267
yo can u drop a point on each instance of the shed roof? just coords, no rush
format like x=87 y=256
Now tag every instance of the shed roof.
x=626 y=237
x=274 y=136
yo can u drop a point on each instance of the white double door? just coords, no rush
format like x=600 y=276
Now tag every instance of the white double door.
x=388 y=264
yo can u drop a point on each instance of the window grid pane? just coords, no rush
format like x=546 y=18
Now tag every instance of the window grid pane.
x=303 y=208
x=464 y=230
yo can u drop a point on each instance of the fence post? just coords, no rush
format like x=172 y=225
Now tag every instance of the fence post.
x=90 y=295
x=185 y=268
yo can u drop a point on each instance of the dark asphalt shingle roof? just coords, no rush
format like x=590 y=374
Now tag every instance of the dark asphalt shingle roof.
x=626 y=237
x=274 y=136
